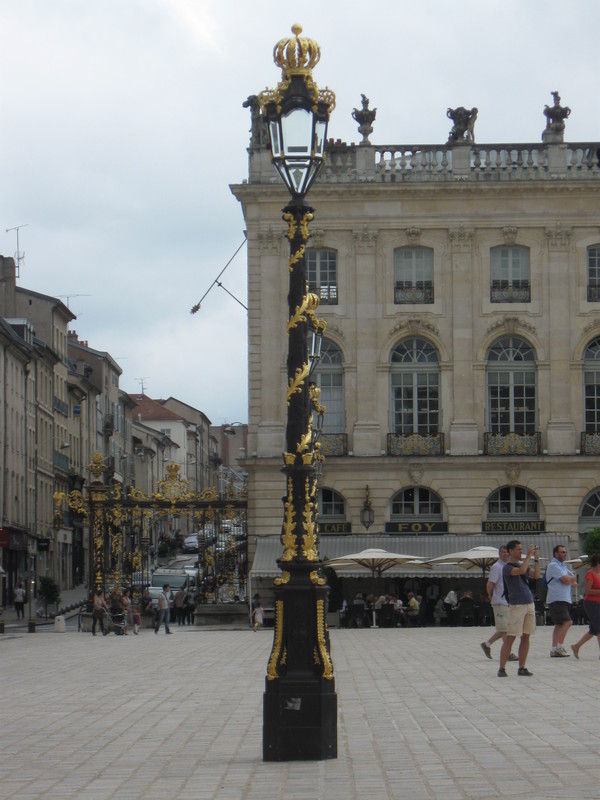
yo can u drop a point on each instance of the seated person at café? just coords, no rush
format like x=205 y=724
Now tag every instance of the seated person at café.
x=413 y=608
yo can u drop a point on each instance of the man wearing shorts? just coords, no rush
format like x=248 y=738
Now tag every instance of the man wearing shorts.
x=560 y=581
x=521 y=607
x=495 y=591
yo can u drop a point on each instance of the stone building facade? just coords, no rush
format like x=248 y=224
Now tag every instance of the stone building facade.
x=460 y=284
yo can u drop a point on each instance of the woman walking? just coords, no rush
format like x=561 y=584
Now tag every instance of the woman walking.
x=591 y=604
x=98 y=612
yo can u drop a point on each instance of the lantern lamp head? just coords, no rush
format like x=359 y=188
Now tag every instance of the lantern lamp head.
x=297 y=113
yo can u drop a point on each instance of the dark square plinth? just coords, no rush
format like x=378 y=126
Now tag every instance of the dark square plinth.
x=300 y=721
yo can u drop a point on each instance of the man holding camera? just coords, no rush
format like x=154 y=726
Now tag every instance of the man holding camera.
x=521 y=606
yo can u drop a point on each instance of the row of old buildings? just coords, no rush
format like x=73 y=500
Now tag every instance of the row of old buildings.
x=460 y=284
x=61 y=402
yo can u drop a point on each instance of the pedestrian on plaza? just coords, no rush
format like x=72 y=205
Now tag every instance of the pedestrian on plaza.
x=560 y=581
x=147 y=603
x=179 y=604
x=137 y=620
x=521 y=606
x=189 y=606
x=591 y=604
x=164 y=609
x=20 y=600
x=127 y=610
x=258 y=616
x=495 y=592
x=98 y=610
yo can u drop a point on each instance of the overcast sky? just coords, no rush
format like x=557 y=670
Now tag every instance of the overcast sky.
x=122 y=127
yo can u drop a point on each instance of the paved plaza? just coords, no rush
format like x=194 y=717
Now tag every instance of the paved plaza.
x=421 y=715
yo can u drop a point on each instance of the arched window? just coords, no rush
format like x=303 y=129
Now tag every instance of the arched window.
x=415 y=388
x=416 y=502
x=514 y=501
x=329 y=377
x=413 y=275
x=509 y=271
x=591 y=386
x=593 y=291
x=321 y=274
x=511 y=387
x=331 y=506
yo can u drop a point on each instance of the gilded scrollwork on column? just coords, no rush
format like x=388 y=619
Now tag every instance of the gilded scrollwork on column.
x=272 y=673
x=309 y=539
x=288 y=539
x=323 y=649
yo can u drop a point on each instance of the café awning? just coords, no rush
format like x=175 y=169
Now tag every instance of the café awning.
x=269 y=548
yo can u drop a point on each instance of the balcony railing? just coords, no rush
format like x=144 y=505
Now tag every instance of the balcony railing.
x=60 y=461
x=517 y=292
x=407 y=293
x=327 y=293
x=590 y=444
x=108 y=423
x=60 y=406
x=415 y=444
x=593 y=294
x=512 y=444
x=334 y=444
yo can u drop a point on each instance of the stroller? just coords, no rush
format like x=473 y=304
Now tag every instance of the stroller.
x=115 y=622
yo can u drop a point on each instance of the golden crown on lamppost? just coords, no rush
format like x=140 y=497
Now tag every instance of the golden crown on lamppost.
x=297 y=55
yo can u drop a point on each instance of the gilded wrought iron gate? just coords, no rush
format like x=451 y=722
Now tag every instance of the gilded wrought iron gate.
x=123 y=532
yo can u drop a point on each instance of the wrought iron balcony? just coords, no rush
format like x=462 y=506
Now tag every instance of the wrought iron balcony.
x=590 y=444
x=415 y=444
x=108 y=422
x=326 y=292
x=334 y=444
x=516 y=292
x=406 y=293
x=512 y=444
x=593 y=294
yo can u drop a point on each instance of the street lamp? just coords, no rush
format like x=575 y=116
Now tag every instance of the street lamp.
x=299 y=703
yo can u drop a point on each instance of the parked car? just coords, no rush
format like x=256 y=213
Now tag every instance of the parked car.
x=190 y=543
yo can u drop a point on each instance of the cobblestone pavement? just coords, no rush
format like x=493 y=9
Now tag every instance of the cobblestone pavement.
x=421 y=715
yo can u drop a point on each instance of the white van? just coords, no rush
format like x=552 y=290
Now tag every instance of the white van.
x=186 y=577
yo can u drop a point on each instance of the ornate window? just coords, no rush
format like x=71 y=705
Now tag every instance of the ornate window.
x=591 y=387
x=321 y=274
x=513 y=501
x=329 y=377
x=331 y=505
x=593 y=292
x=416 y=502
x=511 y=387
x=415 y=387
x=413 y=275
x=510 y=275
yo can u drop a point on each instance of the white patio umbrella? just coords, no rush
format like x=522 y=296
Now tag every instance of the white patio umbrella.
x=374 y=559
x=476 y=558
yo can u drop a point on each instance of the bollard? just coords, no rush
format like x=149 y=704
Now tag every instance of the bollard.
x=59 y=624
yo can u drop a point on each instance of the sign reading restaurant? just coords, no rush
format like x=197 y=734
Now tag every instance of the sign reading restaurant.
x=514 y=526
x=416 y=527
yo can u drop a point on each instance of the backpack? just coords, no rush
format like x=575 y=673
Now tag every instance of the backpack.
x=545 y=580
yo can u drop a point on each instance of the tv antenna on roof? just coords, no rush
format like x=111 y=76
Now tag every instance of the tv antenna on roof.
x=18 y=255
x=67 y=297
x=141 y=382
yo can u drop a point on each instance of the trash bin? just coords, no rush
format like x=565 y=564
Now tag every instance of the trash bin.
x=59 y=624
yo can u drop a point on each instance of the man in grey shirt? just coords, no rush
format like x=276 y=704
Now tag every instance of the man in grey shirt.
x=521 y=607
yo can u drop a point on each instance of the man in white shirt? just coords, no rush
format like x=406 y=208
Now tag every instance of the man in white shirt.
x=495 y=591
x=164 y=609
x=560 y=581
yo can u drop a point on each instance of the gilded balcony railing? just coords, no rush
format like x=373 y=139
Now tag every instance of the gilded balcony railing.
x=334 y=444
x=590 y=444
x=415 y=444
x=512 y=444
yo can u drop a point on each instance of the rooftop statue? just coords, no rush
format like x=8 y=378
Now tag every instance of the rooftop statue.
x=364 y=117
x=463 y=129
x=259 y=135
x=555 y=120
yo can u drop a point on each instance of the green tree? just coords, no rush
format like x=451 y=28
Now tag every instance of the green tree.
x=49 y=592
x=592 y=541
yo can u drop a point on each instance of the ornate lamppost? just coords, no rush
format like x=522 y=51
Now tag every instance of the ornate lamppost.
x=300 y=703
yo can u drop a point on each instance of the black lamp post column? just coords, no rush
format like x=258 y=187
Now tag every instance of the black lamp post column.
x=300 y=703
